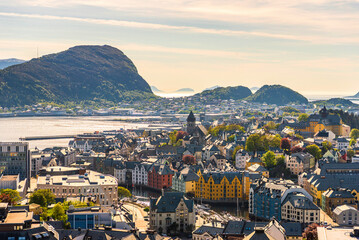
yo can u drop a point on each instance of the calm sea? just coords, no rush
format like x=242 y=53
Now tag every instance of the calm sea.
x=11 y=129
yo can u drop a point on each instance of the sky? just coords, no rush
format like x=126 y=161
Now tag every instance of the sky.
x=309 y=46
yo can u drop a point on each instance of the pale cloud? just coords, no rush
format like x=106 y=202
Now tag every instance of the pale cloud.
x=224 y=32
x=318 y=16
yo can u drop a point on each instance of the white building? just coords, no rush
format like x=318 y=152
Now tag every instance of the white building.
x=342 y=143
x=241 y=158
x=346 y=215
x=100 y=187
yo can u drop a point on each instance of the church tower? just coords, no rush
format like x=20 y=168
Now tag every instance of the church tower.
x=191 y=123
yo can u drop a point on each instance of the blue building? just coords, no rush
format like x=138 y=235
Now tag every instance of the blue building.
x=88 y=218
x=266 y=197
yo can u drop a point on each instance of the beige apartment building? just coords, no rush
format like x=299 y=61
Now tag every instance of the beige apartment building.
x=97 y=186
x=297 y=207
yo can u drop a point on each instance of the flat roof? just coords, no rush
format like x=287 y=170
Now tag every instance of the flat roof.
x=334 y=233
x=9 y=178
x=91 y=178
x=18 y=217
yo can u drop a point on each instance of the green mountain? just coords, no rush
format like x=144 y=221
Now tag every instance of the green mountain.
x=276 y=94
x=335 y=101
x=80 y=73
x=225 y=93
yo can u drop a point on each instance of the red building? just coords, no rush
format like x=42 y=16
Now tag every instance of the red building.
x=160 y=176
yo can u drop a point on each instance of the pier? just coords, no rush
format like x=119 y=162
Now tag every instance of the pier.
x=46 y=137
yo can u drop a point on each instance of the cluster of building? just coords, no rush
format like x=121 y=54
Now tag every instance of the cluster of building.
x=193 y=163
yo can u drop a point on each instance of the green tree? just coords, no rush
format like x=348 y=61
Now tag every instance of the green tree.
x=43 y=197
x=231 y=138
x=326 y=146
x=303 y=117
x=315 y=151
x=123 y=192
x=236 y=149
x=10 y=196
x=269 y=159
x=253 y=143
x=352 y=142
x=350 y=153
x=354 y=133
x=58 y=213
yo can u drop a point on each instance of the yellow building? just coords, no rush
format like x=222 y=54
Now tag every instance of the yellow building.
x=219 y=186
x=225 y=186
x=321 y=121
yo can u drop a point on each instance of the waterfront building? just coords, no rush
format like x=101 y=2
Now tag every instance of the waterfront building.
x=267 y=196
x=170 y=210
x=220 y=186
x=132 y=173
x=160 y=176
x=90 y=184
x=15 y=159
x=185 y=181
x=346 y=215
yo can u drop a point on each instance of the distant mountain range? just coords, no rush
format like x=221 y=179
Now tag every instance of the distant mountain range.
x=181 y=90
x=335 y=101
x=185 y=90
x=270 y=94
x=78 y=74
x=355 y=96
x=4 y=63
x=87 y=73
x=155 y=89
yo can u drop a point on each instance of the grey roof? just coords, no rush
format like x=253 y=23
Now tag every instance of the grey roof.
x=300 y=201
x=169 y=202
x=213 y=231
x=292 y=229
x=234 y=228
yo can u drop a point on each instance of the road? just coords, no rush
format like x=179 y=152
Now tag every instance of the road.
x=138 y=216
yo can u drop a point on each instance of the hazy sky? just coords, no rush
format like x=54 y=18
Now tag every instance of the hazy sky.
x=310 y=46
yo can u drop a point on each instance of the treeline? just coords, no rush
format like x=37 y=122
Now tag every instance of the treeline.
x=348 y=118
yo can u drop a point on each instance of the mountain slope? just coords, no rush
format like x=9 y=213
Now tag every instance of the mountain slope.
x=4 y=63
x=77 y=74
x=235 y=93
x=276 y=94
x=335 y=101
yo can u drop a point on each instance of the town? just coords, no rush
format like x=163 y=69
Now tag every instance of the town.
x=222 y=171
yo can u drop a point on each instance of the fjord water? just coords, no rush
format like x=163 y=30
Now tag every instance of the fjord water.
x=11 y=129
